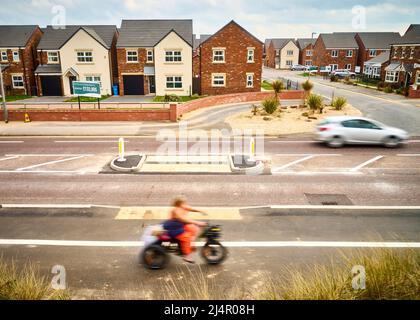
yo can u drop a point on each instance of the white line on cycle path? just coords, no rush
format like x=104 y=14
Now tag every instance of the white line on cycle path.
x=364 y=164
x=50 y=162
x=232 y=244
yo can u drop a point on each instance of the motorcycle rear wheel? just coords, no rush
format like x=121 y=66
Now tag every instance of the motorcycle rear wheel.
x=213 y=252
x=154 y=257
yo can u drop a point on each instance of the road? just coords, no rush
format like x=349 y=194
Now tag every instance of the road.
x=392 y=110
x=61 y=205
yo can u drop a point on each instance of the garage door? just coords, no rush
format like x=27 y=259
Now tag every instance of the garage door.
x=51 y=85
x=133 y=85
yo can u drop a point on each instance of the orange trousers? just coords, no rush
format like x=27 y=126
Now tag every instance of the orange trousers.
x=189 y=235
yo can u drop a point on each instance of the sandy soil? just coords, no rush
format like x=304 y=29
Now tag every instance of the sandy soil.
x=288 y=121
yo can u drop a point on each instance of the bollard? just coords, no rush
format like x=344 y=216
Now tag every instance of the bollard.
x=121 y=150
x=251 y=148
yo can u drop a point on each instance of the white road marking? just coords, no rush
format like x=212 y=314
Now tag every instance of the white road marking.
x=317 y=207
x=8 y=158
x=308 y=154
x=290 y=164
x=232 y=244
x=91 y=141
x=47 y=155
x=47 y=171
x=315 y=172
x=47 y=206
x=293 y=141
x=364 y=164
x=408 y=155
x=11 y=141
x=50 y=162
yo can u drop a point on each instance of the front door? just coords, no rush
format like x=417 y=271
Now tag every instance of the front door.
x=152 y=84
x=71 y=79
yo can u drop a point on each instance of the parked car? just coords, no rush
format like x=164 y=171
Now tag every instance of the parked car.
x=298 y=67
x=342 y=73
x=311 y=68
x=338 y=131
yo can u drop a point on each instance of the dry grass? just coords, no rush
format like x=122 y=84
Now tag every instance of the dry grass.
x=26 y=284
x=390 y=274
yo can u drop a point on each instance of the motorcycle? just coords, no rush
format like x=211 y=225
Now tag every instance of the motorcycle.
x=159 y=245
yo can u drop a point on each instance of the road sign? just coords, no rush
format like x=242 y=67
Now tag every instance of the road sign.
x=87 y=89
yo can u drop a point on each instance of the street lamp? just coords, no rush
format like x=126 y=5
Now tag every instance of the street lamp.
x=6 y=116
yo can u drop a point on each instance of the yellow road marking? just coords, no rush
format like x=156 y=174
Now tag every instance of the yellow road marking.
x=162 y=213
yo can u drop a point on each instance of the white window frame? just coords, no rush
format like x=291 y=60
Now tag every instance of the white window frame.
x=3 y=54
x=14 y=81
x=349 y=54
x=372 y=53
x=173 y=56
x=392 y=76
x=308 y=63
x=50 y=57
x=174 y=80
x=14 y=54
x=309 y=53
x=250 y=55
x=133 y=54
x=334 y=55
x=333 y=67
x=217 y=55
x=85 y=57
x=412 y=50
x=150 y=58
x=289 y=63
x=250 y=80
x=418 y=78
x=220 y=77
x=376 y=71
x=289 y=53
x=94 y=78
x=347 y=66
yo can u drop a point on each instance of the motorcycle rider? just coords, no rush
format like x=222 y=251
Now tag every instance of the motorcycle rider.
x=182 y=228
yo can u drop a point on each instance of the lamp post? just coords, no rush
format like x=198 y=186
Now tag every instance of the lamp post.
x=6 y=116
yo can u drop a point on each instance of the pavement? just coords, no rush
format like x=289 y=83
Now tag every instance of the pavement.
x=393 y=110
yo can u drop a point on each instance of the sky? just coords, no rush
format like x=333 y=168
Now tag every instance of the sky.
x=263 y=18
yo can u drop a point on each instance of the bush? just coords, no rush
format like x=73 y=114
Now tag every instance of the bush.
x=388 y=89
x=278 y=87
x=270 y=105
x=333 y=78
x=315 y=102
x=172 y=98
x=307 y=86
x=339 y=103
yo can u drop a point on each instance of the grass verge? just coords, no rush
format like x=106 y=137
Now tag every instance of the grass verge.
x=266 y=85
x=26 y=284
x=16 y=98
x=181 y=98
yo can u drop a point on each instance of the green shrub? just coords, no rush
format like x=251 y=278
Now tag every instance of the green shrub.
x=278 y=87
x=388 y=89
x=333 y=78
x=270 y=105
x=307 y=86
x=315 y=102
x=172 y=98
x=339 y=103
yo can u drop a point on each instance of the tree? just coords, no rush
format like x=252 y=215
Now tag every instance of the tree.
x=278 y=87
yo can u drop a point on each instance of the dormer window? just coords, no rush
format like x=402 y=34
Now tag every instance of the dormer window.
x=52 y=57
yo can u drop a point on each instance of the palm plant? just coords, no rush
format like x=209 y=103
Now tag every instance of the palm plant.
x=315 y=102
x=278 y=87
x=307 y=86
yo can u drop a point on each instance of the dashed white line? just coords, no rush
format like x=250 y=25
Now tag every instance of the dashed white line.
x=364 y=164
x=232 y=244
x=49 y=162
x=9 y=158
x=47 y=155
x=11 y=141
x=292 y=163
x=408 y=155
x=92 y=141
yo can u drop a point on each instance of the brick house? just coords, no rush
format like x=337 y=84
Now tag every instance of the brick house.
x=155 y=57
x=403 y=67
x=196 y=54
x=282 y=54
x=18 y=58
x=76 y=53
x=336 y=51
x=266 y=46
x=372 y=44
x=230 y=61
x=306 y=50
x=374 y=68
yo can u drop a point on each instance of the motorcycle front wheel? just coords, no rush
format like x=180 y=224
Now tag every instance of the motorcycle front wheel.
x=214 y=252
x=154 y=257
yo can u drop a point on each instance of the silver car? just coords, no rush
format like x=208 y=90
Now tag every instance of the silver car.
x=338 y=131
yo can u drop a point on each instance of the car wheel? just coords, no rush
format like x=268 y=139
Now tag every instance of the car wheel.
x=336 y=142
x=392 y=142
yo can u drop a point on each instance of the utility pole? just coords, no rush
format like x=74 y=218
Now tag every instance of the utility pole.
x=6 y=116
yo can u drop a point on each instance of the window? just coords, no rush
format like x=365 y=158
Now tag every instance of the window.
x=334 y=53
x=289 y=63
x=218 y=80
x=418 y=78
x=84 y=56
x=391 y=76
x=360 y=124
x=395 y=54
x=349 y=53
x=309 y=53
x=250 y=57
x=250 y=80
x=218 y=55
x=16 y=56
x=4 y=56
x=94 y=79
x=412 y=53
x=149 y=55
x=372 y=53
x=376 y=72
x=333 y=67
x=403 y=52
x=132 y=56
x=173 y=56
x=290 y=52
x=347 y=67
x=308 y=63
x=17 y=81
x=52 y=56
x=174 y=82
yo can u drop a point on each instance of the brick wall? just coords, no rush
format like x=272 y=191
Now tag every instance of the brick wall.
x=302 y=54
x=236 y=41
x=322 y=56
x=271 y=56
x=128 y=68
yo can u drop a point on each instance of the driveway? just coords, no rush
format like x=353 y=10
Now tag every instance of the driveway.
x=392 y=110
x=131 y=99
